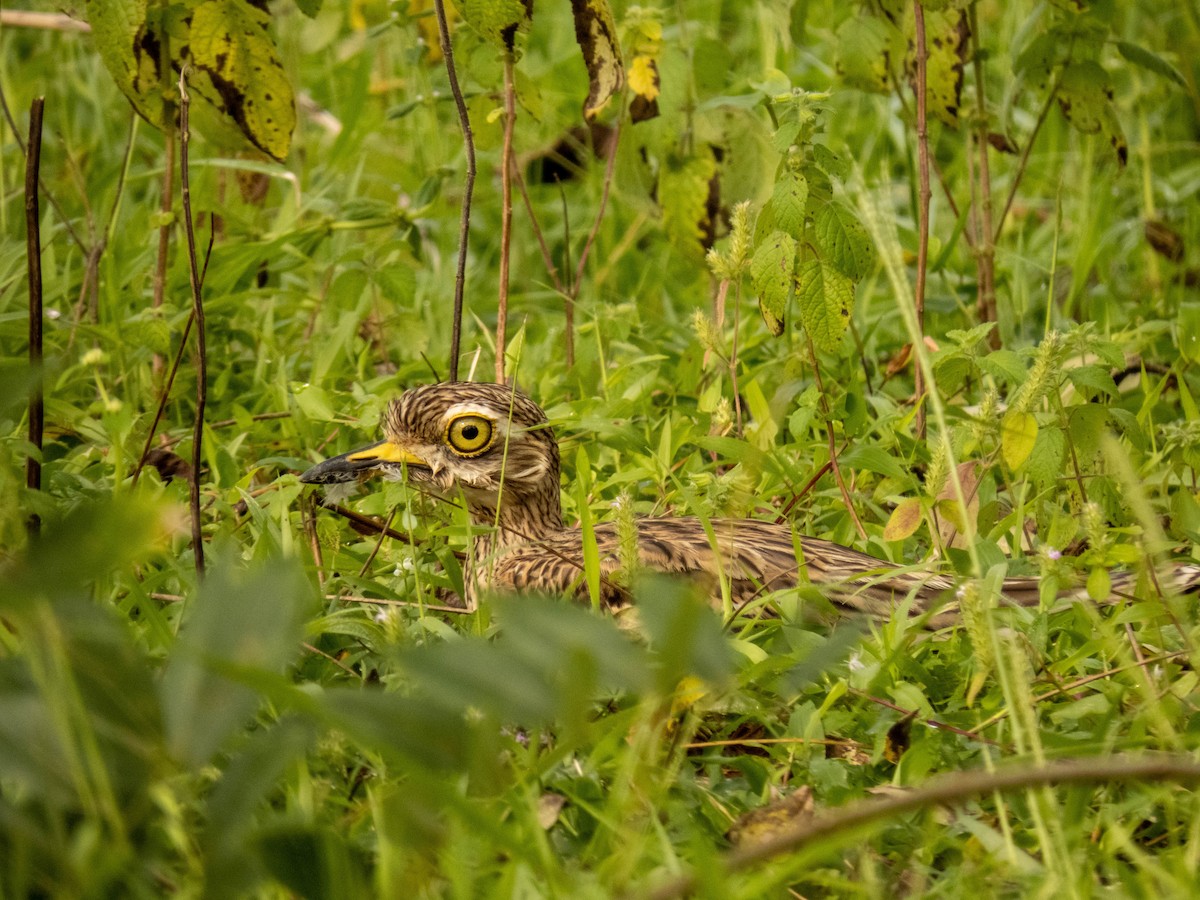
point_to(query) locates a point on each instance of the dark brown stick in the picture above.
(164, 230)
(986, 248)
(506, 166)
(464, 121)
(198, 315)
(923, 194)
(33, 260)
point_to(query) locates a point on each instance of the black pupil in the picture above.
(470, 432)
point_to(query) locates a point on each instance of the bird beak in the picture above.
(360, 463)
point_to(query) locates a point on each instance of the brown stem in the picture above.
(464, 225)
(941, 791)
(33, 261)
(923, 196)
(198, 315)
(506, 166)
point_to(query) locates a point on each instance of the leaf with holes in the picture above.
(843, 240)
(771, 272)
(825, 297)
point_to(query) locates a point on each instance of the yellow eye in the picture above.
(469, 435)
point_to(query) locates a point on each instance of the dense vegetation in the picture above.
(308, 718)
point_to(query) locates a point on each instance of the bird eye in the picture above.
(469, 435)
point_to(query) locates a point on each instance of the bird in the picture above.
(493, 446)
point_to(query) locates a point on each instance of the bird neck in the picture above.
(520, 517)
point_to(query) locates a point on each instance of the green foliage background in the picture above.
(308, 721)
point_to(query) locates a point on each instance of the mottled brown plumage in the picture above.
(493, 444)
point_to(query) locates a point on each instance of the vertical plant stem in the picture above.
(464, 121)
(33, 260)
(923, 194)
(986, 249)
(591, 238)
(198, 314)
(506, 167)
(164, 230)
(833, 461)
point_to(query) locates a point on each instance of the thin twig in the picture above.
(33, 261)
(1024, 163)
(923, 194)
(609, 169)
(940, 791)
(387, 524)
(164, 230)
(547, 256)
(198, 314)
(506, 167)
(464, 121)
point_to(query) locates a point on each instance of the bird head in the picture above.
(488, 441)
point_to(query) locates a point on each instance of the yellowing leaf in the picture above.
(245, 79)
(596, 33)
(499, 21)
(904, 520)
(684, 186)
(129, 42)
(825, 297)
(643, 81)
(1099, 584)
(867, 46)
(946, 45)
(771, 271)
(1018, 433)
(1085, 95)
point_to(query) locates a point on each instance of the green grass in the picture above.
(271, 731)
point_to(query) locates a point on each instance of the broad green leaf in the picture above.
(1018, 432)
(868, 47)
(684, 186)
(788, 201)
(239, 623)
(499, 21)
(843, 240)
(1092, 381)
(946, 44)
(1085, 96)
(1005, 365)
(1048, 457)
(596, 33)
(230, 44)
(129, 39)
(825, 297)
(1099, 584)
(904, 520)
(771, 271)
(1085, 425)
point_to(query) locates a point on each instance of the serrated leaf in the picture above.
(1092, 380)
(825, 297)
(1018, 433)
(1048, 456)
(239, 72)
(866, 49)
(904, 520)
(843, 240)
(596, 33)
(498, 21)
(946, 45)
(771, 271)
(1085, 97)
(789, 201)
(684, 186)
(1005, 365)
(1085, 425)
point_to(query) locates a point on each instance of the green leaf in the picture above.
(1085, 425)
(1092, 381)
(1099, 584)
(1018, 433)
(946, 44)
(867, 47)
(904, 520)
(240, 73)
(1085, 96)
(1151, 62)
(239, 623)
(843, 240)
(1048, 456)
(1005, 365)
(498, 21)
(825, 297)
(596, 33)
(684, 185)
(788, 201)
(771, 273)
